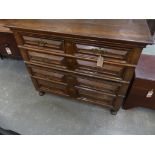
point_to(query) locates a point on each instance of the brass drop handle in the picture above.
(100, 50)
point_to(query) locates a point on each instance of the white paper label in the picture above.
(100, 61)
(8, 50)
(149, 94)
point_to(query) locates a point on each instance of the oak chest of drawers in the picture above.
(89, 60)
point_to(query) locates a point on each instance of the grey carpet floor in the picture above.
(24, 111)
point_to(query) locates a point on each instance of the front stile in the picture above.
(71, 64)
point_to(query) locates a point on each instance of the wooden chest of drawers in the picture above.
(142, 91)
(89, 60)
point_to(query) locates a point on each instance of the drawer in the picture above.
(108, 87)
(109, 53)
(43, 41)
(90, 67)
(47, 74)
(97, 97)
(50, 86)
(44, 58)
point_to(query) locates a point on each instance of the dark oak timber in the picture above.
(143, 83)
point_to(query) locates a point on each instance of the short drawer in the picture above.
(108, 87)
(109, 53)
(43, 41)
(44, 58)
(90, 67)
(47, 74)
(97, 97)
(50, 86)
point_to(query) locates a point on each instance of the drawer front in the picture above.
(49, 86)
(109, 54)
(109, 87)
(90, 67)
(47, 74)
(43, 41)
(93, 96)
(48, 59)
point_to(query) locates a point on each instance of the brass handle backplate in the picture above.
(42, 43)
